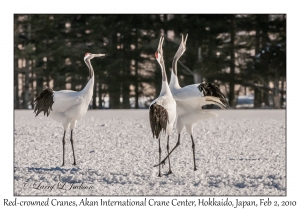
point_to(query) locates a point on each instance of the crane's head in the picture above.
(159, 51)
(90, 56)
(182, 47)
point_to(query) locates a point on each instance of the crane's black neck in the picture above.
(91, 70)
(163, 70)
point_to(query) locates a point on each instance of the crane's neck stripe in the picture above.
(163, 71)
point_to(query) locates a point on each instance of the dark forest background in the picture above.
(244, 54)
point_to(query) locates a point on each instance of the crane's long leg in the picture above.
(63, 141)
(193, 146)
(71, 140)
(159, 155)
(170, 171)
(163, 161)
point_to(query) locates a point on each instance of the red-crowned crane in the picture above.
(162, 111)
(67, 106)
(189, 101)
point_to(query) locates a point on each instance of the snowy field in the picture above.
(241, 152)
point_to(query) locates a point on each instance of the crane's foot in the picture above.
(195, 169)
(159, 175)
(62, 165)
(74, 164)
(170, 171)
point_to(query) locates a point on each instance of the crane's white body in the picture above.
(189, 102)
(70, 106)
(166, 100)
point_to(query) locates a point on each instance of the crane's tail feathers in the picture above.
(216, 101)
(44, 102)
(158, 119)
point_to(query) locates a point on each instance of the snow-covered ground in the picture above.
(241, 152)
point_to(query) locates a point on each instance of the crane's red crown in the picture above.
(86, 54)
(156, 54)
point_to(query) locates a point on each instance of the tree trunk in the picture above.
(39, 82)
(126, 86)
(266, 96)
(136, 69)
(276, 89)
(16, 86)
(257, 98)
(126, 72)
(264, 35)
(232, 63)
(114, 85)
(100, 94)
(282, 90)
(26, 86)
(257, 91)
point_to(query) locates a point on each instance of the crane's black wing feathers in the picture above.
(210, 89)
(158, 119)
(44, 102)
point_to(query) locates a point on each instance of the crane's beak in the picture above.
(185, 39)
(182, 47)
(99, 55)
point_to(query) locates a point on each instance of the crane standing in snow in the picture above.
(67, 106)
(189, 102)
(162, 111)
